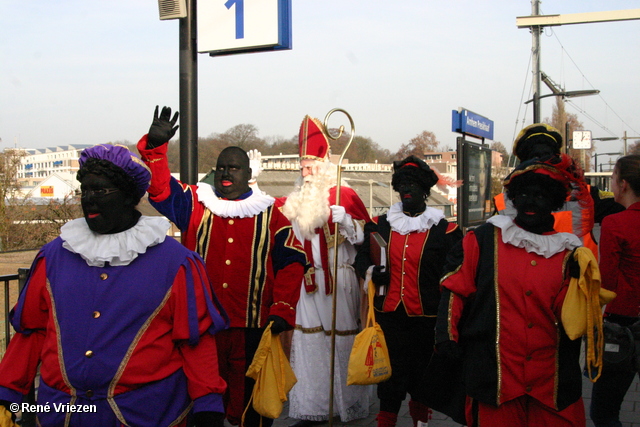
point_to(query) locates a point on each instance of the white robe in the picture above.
(311, 342)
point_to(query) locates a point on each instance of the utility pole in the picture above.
(535, 49)
(189, 96)
(536, 22)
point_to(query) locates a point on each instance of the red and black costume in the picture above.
(254, 261)
(407, 310)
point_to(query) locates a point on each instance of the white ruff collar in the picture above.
(116, 249)
(546, 245)
(251, 206)
(405, 224)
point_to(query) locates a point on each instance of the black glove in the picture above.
(574, 267)
(208, 419)
(279, 324)
(379, 277)
(162, 129)
(450, 349)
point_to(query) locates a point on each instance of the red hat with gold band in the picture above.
(313, 142)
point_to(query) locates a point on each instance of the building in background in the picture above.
(38, 164)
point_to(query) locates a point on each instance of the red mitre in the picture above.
(313, 142)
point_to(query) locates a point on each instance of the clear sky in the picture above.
(87, 72)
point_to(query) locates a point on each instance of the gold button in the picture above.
(89, 393)
(528, 357)
(533, 262)
(528, 388)
(89, 353)
(530, 325)
(228, 262)
(528, 293)
(230, 222)
(104, 276)
(230, 240)
(96, 314)
(225, 285)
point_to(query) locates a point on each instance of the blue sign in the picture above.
(241, 26)
(466, 122)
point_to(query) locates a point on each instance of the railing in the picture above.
(26, 419)
(7, 279)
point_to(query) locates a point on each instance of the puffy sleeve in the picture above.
(458, 284)
(169, 196)
(197, 316)
(30, 318)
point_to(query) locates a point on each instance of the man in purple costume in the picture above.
(120, 318)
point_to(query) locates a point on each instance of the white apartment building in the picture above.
(40, 163)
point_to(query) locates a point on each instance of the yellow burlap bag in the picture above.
(582, 309)
(5, 418)
(273, 375)
(369, 361)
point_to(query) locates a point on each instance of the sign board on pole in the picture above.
(474, 196)
(240, 26)
(467, 122)
(582, 139)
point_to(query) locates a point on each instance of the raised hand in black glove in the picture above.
(380, 276)
(162, 129)
(279, 324)
(208, 419)
(450, 349)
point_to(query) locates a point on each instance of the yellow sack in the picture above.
(369, 361)
(582, 309)
(273, 375)
(6, 419)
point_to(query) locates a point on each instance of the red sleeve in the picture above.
(286, 292)
(20, 363)
(352, 203)
(461, 283)
(200, 362)
(610, 250)
(156, 161)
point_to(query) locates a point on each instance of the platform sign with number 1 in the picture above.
(240, 26)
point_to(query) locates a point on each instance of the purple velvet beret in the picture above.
(120, 156)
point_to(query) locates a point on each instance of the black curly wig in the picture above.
(557, 191)
(113, 173)
(418, 172)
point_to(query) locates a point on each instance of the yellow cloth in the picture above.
(6, 419)
(582, 309)
(273, 374)
(369, 361)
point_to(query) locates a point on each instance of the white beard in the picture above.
(308, 204)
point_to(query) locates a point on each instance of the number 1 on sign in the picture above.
(239, 16)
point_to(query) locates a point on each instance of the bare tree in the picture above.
(244, 136)
(9, 187)
(500, 148)
(31, 225)
(425, 142)
(634, 148)
(559, 120)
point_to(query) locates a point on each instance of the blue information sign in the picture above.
(240, 26)
(467, 122)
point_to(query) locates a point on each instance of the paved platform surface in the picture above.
(629, 415)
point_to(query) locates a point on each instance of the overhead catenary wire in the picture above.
(582, 111)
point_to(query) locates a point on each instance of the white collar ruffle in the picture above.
(546, 245)
(117, 249)
(404, 224)
(253, 205)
